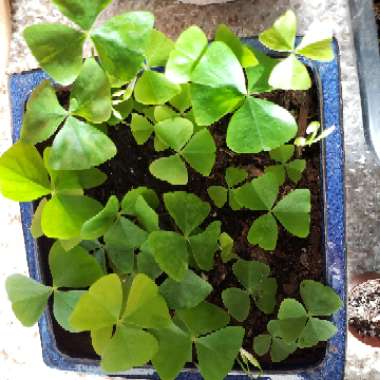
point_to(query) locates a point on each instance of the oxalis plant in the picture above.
(134, 272)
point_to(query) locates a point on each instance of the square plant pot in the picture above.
(327, 79)
(366, 40)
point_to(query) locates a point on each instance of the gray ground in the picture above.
(247, 17)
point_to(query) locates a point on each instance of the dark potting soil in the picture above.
(293, 260)
(364, 308)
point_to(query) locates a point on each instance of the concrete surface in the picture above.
(19, 347)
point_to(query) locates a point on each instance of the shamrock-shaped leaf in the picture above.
(141, 128)
(280, 349)
(100, 338)
(128, 203)
(182, 101)
(158, 49)
(235, 176)
(237, 303)
(218, 84)
(164, 112)
(58, 50)
(171, 169)
(35, 228)
(264, 232)
(29, 298)
(261, 344)
(189, 292)
(146, 215)
(316, 330)
(226, 244)
(218, 194)
(43, 114)
(146, 263)
(174, 132)
(188, 48)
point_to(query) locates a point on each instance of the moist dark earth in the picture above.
(293, 260)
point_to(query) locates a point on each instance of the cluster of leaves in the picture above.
(106, 258)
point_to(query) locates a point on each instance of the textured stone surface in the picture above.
(19, 357)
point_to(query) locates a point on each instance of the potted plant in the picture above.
(178, 211)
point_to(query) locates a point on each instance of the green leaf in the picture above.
(182, 101)
(218, 194)
(146, 262)
(245, 56)
(319, 299)
(317, 43)
(204, 245)
(83, 13)
(237, 303)
(290, 74)
(293, 211)
(200, 152)
(189, 292)
(121, 43)
(43, 114)
(264, 232)
(99, 224)
(100, 306)
(261, 344)
(158, 49)
(29, 298)
(295, 169)
(164, 112)
(217, 352)
(316, 330)
(128, 202)
(64, 215)
(75, 268)
(79, 146)
(174, 344)
(260, 125)
(125, 235)
(265, 295)
(280, 350)
(100, 338)
(35, 228)
(63, 306)
(23, 176)
(291, 308)
(259, 194)
(281, 36)
(58, 50)
(146, 216)
(90, 96)
(235, 176)
(154, 88)
(218, 84)
(226, 244)
(278, 171)
(170, 169)
(188, 48)
(187, 210)
(170, 252)
(129, 347)
(122, 259)
(174, 132)
(203, 318)
(145, 307)
(282, 154)
(141, 128)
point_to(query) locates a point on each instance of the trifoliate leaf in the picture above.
(295, 169)
(281, 36)
(204, 245)
(200, 152)
(235, 176)
(265, 295)
(182, 101)
(282, 154)
(43, 114)
(170, 169)
(90, 96)
(280, 350)
(146, 263)
(158, 48)
(237, 303)
(293, 212)
(100, 338)
(23, 176)
(58, 50)
(75, 268)
(64, 215)
(79, 146)
(260, 125)
(261, 344)
(187, 50)
(154, 88)
(316, 330)
(100, 306)
(121, 43)
(174, 132)
(146, 216)
(226, 244)
(63, 305)
(141, 128)
(82, 12)
(203, 319)
(319, 299)
(290, 74)
(129, 347)
(187, 210)
(122, 259)
(128, 202)
(164, 112)
(218, 84)
(217, 352)
(264, 232)
(170, 252)
(218, 194)
(29, 298)
(251, 274)
(145, 307)
(188, 293)
(291, 308)
(35, 228)
(278, 171)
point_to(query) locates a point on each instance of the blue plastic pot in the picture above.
(327, 77)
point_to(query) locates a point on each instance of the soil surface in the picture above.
(293, 260)
(364, 308)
